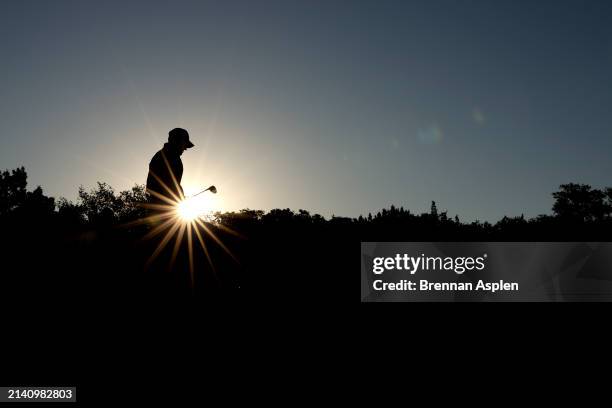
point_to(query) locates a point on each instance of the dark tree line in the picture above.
(94, 252)
(577, 206)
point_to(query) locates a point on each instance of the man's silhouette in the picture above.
(166, 171)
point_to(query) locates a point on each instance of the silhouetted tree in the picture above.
(37, 203)
(12, 189)
(444, 216)
(130, 203)
(15, 199)
(69, 212)
(434, 210)
(99, 203)
(580, 202)
(102, 205)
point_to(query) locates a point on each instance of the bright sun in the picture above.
(189, 210)
(190, 218)
(196, 207)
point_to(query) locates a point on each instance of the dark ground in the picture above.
(82, 306)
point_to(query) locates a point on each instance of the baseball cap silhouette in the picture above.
(178, 134)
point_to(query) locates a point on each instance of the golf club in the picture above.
(212, 189)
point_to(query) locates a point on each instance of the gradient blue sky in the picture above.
(338, 107)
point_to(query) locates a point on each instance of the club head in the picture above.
(213, 189)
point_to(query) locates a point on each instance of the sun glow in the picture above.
(188, 210)
(193, 208)
(202, 206)
(187, 222)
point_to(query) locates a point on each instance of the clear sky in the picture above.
(338, 107)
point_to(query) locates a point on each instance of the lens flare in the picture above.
(177, 220)
(189, 210)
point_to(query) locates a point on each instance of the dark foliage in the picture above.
(94, 251)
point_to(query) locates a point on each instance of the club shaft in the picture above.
(203, 191)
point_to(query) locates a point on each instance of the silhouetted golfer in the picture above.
(166, 171)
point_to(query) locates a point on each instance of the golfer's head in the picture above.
(179, 138)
